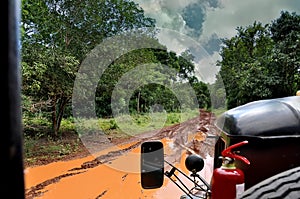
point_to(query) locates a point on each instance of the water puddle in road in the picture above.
(114, 174)
(101, 181)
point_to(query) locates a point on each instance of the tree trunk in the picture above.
(61, 110)
(58, 108)
(138, 102)
(54, 117)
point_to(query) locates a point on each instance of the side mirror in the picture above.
(152, 164)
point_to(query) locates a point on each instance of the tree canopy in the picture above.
(262, 61)
(57, 36)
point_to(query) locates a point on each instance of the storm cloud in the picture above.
(208, 21)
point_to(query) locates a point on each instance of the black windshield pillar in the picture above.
(11, 147)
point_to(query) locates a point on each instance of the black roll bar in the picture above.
(11, 147)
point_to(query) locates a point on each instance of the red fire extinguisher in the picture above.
(228, 182)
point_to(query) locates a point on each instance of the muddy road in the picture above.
(113, 172)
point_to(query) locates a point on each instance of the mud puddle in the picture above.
(113, 173)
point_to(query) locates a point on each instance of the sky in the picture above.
(199, 25)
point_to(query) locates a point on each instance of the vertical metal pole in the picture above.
(11, 147)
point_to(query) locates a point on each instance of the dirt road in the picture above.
(114, 171)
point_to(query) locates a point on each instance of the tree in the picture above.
(285, 32)
(262, 61)
(244, 65)
(57, 35)
(155, 85)
(114, 73)
(218, 94)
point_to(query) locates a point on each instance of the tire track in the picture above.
(178, 132)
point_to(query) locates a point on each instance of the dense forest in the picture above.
(261, 61)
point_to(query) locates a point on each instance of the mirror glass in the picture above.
(152, 164)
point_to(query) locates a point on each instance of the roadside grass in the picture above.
(41, 147)
(43, 150)
(128, 125)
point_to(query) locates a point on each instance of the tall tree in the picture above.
(285, 32)
(244, 65)
(262, 61)
(155, 85)
(57, 35)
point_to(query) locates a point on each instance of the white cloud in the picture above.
(205, 64)
(171, 5)
(233, 13)
(167, 13)
(206, 68)
(221, 21)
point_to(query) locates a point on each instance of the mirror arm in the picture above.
(171, 173)
(186, 190)
(195, 175)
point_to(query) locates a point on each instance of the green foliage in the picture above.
(144, 122)
(39, 126)
(67, 125)
(57, 35)
(218, 94)
(113, 74)
(87, 126)
(39, 143)
(173, 118)
(113, 124)
(285, 31)
(39, 148)
(261, 62)
(152, 83)
(34, 126)
(108, 124)
(243, 59)
(202, 93)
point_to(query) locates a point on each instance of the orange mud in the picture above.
(117, 179)
(113, 173)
